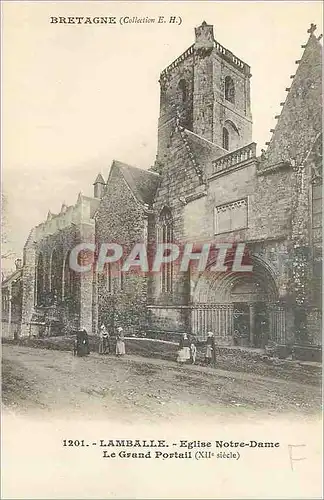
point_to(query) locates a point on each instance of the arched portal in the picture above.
(239, 308)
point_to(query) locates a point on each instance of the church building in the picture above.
(207, 186)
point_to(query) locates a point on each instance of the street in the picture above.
(132, 387)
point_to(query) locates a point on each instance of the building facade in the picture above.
(207, 186)
(57, 299)
(216, 189)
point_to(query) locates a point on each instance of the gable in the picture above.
(120, 216)
(300, 120)
(142, 183)
(204, 151)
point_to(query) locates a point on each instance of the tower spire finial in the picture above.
(312, 28)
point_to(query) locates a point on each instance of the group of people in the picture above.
(82, 347)
(105, 344)
(187, 347)
(188, 350)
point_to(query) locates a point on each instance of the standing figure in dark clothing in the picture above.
(210, 348)
(104, 343)
(82, 343)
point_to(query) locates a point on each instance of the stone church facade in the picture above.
(207, 186)
(217, 189)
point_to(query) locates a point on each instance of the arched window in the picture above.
(68, 287)
(231, 136)
(40, 280)
(183, 89)
(166, 236)
(229, 89)
(56, 274)
(225, 139)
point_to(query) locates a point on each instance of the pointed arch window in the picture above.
(183, 89)
(165, 229)
(225, 139)
(56, 274)
(68, 284)
(229, 90)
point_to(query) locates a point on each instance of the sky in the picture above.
(75, 97)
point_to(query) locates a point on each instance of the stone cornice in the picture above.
(274, 168)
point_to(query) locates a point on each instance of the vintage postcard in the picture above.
(161, 250)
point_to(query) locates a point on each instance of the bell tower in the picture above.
(207, 89)
(232, 119)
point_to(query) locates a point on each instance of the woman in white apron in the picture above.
(184, 349)
(120, 344)
(210, 348)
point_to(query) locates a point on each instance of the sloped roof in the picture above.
(202, 148)
(300, 119)
(11, 278)
(201, 152)
(31, 236)
(142, 183)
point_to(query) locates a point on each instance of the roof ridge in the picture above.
(121, 164)
(196, 165)
(200, 137)
(140, 181)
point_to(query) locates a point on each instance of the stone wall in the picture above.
(225, 112)
(173, 101)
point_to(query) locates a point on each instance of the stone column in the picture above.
(252, 318)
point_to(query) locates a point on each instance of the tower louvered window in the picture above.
(229, 90)
(183, 90)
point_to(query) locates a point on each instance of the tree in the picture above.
(6, 250)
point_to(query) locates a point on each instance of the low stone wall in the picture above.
(167, 323)
(11, 332)
(297, 352)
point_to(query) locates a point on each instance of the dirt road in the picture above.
(38, 380)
